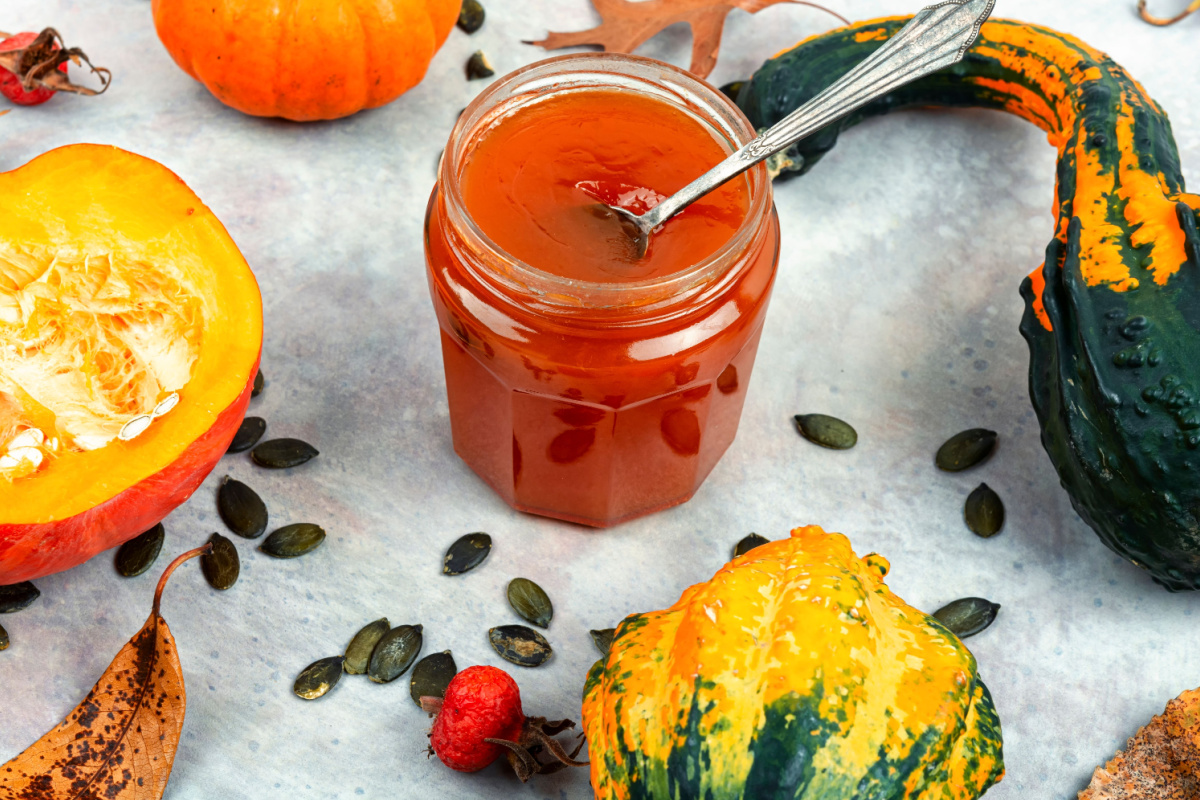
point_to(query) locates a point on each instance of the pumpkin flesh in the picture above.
(1113, 315)
(793, 673)
(123, 305)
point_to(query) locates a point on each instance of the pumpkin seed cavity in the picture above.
(749, 543)
(478, 66)
(603, 640)
(530, 601)
(432, 675)
(358, 652)
(283, 453)
(967, 449)
(139, 553)
(395, 653)
(984, 512)
(292, 541)
(826, 431)
(467, 553)
(259, 381)
(967, 616)
(17, 596)
(220, 566)
(318, 678)
(248, 434)
(520, 645)
(471, 16)
(241, 509)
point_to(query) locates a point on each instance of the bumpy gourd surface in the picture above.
(87, 343)
(793, 673)
(1113, 316)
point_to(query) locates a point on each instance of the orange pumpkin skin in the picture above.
(124, 243)
(32, 551)
(305, 59)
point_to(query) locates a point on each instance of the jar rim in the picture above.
(536, 81)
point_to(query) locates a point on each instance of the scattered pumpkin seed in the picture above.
(241, 509)
(282, 453)
(530, 601)
(467, 553)
(826, 431)
(220, 566)
(17, 596)
(396, 651)
(3, 638)
(984, 511)
(358, 652)
(471, 16)
(732, 89)
(248, 434)
(478, 66)
(603, 640)
(965, 450)
(139, 553)
(318, 678)
(520, 645)
(967, 616)
(749, 543)
(292, 541)
(258, 384)
(432, 675)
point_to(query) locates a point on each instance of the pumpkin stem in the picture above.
(1162, 21)
(536, 738)
(37, 65)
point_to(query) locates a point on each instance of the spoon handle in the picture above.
(935, 37)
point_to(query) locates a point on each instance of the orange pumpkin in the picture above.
(130, 332)
(305, 59)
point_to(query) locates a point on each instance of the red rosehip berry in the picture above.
(10, 84)
(480, 703)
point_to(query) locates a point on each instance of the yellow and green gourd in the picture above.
(1113, 316)
(794, 673)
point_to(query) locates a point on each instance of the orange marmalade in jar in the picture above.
(585, 381)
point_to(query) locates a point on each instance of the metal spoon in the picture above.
(936, 37)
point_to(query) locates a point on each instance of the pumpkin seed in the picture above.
(17, 596)
(318, 678)
(139, 553)
(530, 601)
(749, 543)
(603, 640)
(358, 652)
(968, 616)
(248, 434)
(220, 566)
(282, 453)
(984, 511)
(965, 450)
(826, 431)
(470, 18)
(396, 651)
(258, 384)
(241, 509)
(478, 66)
(520, 645)
(432, 675)
(467, 553)
(3, 638)
(731, 90)
(292, 541)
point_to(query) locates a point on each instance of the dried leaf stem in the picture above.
(1193, 7)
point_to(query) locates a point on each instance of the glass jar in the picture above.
(587, 401)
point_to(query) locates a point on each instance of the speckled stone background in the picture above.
(896, 308)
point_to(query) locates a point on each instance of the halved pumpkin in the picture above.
(130, 334)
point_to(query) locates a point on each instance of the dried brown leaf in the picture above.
(1161, 761)
(119, 743)
(1160, 21)
(626, 25)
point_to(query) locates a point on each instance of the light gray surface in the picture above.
(896, 308)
